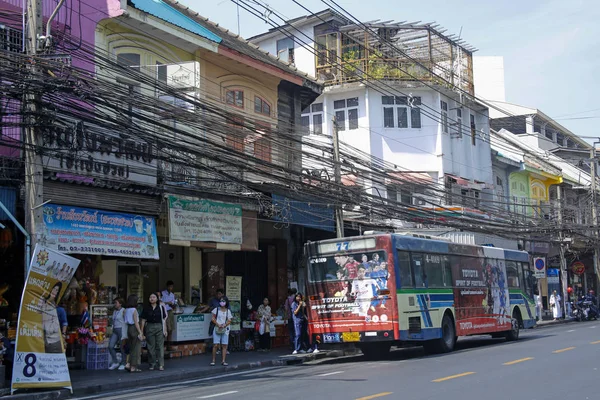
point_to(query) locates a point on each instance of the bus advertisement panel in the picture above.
(351, 291)
(481, 297)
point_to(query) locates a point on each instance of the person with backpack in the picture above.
(221, 318)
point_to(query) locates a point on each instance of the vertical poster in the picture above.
(233, 290)
(40, 360)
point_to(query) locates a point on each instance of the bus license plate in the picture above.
(351, 336)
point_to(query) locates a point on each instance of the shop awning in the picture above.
(467, 184)
(401, 177)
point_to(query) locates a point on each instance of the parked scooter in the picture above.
(577, 311)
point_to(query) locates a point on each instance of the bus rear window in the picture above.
(341, 267)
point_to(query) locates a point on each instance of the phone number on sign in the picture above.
(99, 250)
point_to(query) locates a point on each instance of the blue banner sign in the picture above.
(78, 230)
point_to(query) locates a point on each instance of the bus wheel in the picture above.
(375, 351)
(446, 343)
(513, 334)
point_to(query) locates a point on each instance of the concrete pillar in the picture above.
(529, 124)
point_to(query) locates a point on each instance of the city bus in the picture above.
(379, 290)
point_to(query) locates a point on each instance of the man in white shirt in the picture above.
(168, 297)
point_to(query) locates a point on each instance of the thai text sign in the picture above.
(40, 360)
(233, 290)
(85, 150)
(191, 327)
(87, 231)
(204, 221)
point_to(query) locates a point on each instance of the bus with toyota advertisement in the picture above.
(379, 290)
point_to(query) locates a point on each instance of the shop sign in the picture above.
(578, 268)
(78, 230)
(191, 327)
(204, 221)
(233, 290)
(540, 267)
(40, 360)
(82, 151)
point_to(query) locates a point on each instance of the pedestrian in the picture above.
(168, 298)
(153, 317)
(222, 319)
(305, 332)
(289, 317)
(299, 316)
(555, 304)
(264, 316)
(117, 333)
(135, 335)
(538, 305)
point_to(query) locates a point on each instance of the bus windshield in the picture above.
(345, 266)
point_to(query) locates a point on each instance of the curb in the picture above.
(188, 375)
(553, 323)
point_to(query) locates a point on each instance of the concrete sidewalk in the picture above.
(551, 322)
(86, 382)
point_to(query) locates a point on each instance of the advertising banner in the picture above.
(204, 221)
(87, 231)
(40, 360)
(233, 291)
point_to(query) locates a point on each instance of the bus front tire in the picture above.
(446, 343)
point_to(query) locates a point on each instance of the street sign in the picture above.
(540, 267)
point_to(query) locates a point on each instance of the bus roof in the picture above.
(414, 242)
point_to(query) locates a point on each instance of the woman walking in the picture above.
(153, 319)
(134, 333)
(117, 333)
(299, 316)
(555, 304)
(264, 316)
(222, 320)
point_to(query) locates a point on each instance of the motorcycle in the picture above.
(577, 311)
(590, 309)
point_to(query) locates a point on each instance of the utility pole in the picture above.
(339, 214)
(563, 260)
(34, 173)
(594, 206)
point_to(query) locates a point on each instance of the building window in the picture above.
(261, 106)
(327, 49)
(130, 60)
(444, 108)
(262, 146)
(235, 98)
(285, 50)
(11, 40)
(235, 136)
(349, 108)
(313, 114)
(396, 112)
(473, 129)
(459, 122)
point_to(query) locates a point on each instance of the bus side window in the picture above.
(405, 274)
(527, 281)
(512, 274)
(418, 270)
(447, 272)
(434, 270)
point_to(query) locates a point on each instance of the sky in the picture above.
(551, 48)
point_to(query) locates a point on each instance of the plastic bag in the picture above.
(249, 345)
(261, 330)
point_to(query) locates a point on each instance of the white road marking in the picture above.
(572, 330)
(332, 373)
(218, 394)
(592, 327)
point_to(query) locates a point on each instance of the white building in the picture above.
(401, 93)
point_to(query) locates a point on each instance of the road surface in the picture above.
(553, 363)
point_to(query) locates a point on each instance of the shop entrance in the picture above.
(138, 277)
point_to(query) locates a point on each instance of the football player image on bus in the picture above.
(363, 292)
(348, 264)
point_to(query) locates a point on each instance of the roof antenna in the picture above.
(238, 17)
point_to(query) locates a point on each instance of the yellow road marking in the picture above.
(562, 350)
(596, 342)
(452, 377)
(518, 361)
(374, 396)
